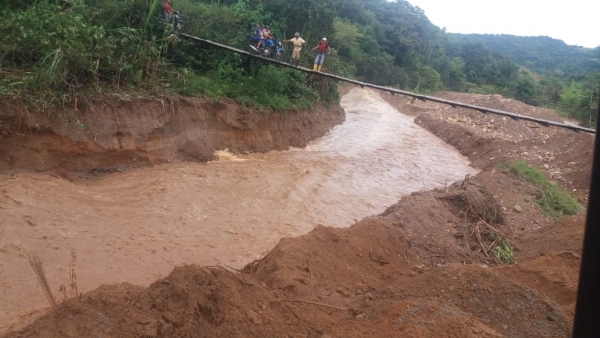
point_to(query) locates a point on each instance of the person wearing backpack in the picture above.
(322, 47)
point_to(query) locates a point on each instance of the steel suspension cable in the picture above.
(393, 91)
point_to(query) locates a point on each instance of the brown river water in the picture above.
(136, 226)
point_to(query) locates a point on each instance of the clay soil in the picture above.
(83, 142)
(413, 271)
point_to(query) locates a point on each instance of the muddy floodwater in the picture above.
(136, 226)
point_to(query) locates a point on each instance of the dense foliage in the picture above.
(541, 54)
(59, 48)
(566, 78)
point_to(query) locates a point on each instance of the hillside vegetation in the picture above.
(566, 77)
(55, 50)
(541, 54)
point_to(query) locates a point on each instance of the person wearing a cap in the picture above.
(298, 44)
(322, 47)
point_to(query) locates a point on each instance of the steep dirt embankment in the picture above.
(488, 139)
(118, 135)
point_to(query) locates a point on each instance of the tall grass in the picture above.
(152, 11)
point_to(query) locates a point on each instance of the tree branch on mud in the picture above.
(310, 302)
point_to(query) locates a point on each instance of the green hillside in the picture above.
(54, 51)
(541, 54)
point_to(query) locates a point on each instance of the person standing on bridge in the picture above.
(167, 9)
(298, 44)
(258, 31)
(266, 34)
(322, 47)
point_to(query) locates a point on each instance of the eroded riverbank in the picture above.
(137, 226)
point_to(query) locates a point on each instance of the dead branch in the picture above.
(73, 270)
(501, 234)
(310, 302)
(406, 258)
(234, 269)
(379, 261)
(477, 233)
(233, 274)
(36, 265)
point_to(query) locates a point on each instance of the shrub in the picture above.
(554, 201)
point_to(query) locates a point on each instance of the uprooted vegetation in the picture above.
(478, 210)
(552, 200)
(490, 241)
(473, 202)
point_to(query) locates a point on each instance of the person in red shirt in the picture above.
(167, 9)
(322, 47)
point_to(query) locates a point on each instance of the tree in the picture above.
(345, 38)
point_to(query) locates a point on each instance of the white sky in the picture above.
(576, 22)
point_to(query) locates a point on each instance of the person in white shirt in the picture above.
(298, 44)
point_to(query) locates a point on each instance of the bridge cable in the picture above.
(393, 91)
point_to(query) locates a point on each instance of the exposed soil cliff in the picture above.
(118, 135)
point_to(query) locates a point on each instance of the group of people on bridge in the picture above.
(323, 47)
(265, 33)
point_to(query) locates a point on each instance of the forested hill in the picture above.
(52, 51)
(539, 53)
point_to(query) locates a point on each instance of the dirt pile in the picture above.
(119, 135)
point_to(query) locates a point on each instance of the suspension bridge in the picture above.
(394, 91)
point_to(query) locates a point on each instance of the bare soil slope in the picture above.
(122, 134)
(403, 273)
(488, 139)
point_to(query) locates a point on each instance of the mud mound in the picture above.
(431, 318)
(510, 308)
(328, 258)
(363, 295)
(417, 232)
(190, 302)
(563, 235)
(555, 276)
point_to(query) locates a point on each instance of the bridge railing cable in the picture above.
(393, 91)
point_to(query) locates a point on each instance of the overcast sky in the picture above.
(576, 22)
